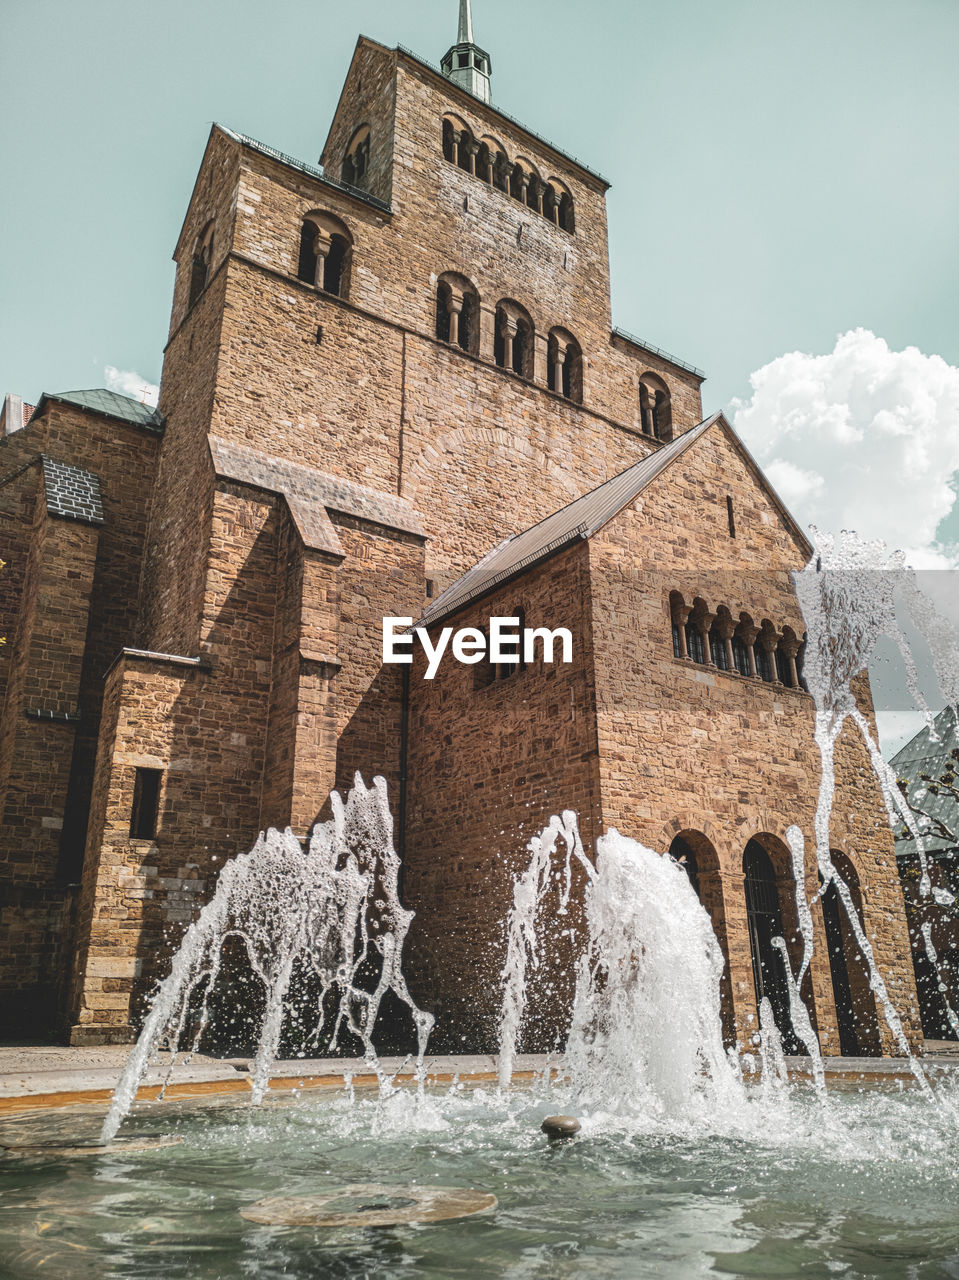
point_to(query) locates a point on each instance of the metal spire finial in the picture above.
(466, 64)
(465, 35)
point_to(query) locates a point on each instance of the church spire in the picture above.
(466, 64)
(465, 35)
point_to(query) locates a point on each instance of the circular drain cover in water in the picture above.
(117, 1147)
(369, 1205)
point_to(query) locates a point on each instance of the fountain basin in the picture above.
(867, 1190)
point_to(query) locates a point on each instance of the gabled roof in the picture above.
(582, 518)
(922, 754)
(109, 403)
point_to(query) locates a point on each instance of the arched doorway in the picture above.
(855, 1006)
(696, 855)
(764, 919)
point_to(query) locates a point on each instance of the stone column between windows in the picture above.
(551, 206)
(704, 622)
(748, 636)
(558, 368)
(769, 641)
(322, 244)
(508, 328)
(726, 627)
(473, 148)
(454, 306)
(680, 618)
(791, 649)
(536, 186)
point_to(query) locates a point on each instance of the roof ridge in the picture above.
(580, 518)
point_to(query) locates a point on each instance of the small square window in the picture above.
(146, 804)
(462, 59)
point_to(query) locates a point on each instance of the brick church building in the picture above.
(392, 387)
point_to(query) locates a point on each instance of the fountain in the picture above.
(329, 909)
(661, 1152)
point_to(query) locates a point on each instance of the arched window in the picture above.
(518, 179)
(484, 163)
(356, 162)
(465, 151)
(782, 667)
(513, 338)
(326, 252)
(764, 663)
(457, 312)
(655, 411)
(800, 658)
(764, 920)
(678, 651)
(694, 642)
(551, 200)
(564, 363)
(558, 205)
(858, 1024)
(567, 219)
(717, 649)
(449, 141)
(740, 656)
(200, 265)
(685, 855)
(501, 171)
(534, 193)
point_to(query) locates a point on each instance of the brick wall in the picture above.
(487, 769)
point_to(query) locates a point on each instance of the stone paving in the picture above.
(38, 1070)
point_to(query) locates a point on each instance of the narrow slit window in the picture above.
(146, 804)
(730, 516)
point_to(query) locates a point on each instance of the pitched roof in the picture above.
(922, 754)
(310, 494)
(109, 403)
(580, 519)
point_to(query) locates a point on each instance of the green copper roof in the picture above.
(110, 403)
(924, 755)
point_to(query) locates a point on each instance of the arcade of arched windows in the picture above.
(486, 159)
(720, 640)
(458, 320)
(325, 261)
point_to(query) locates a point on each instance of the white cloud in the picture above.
(129, 383)
(863, 438)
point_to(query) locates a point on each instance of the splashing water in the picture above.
(649, 952)
(522, 940)
(849, 595)
(326, 911)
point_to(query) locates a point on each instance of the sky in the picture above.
(783, 212)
